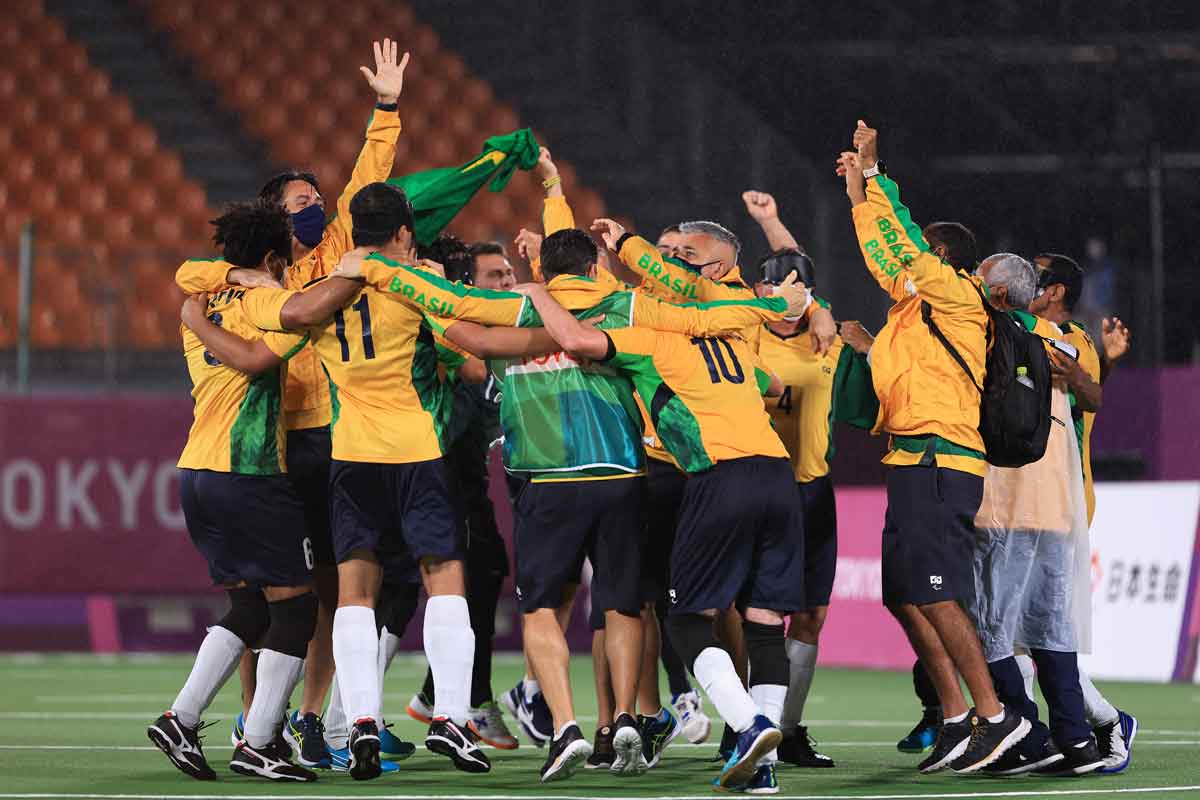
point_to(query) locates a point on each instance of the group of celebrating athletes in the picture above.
(350, 381)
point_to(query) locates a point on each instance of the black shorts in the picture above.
(740, 539)
(820, 540)
(400, 512)
(664, 496)
(308, 470)
(248, 527)
(929, 535)
(557, 524)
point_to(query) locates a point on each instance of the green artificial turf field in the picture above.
(74, 726)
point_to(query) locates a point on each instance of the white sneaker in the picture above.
(696, 724)
(420, 709)
(487, 723)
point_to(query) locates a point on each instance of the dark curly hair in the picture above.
(248, 231)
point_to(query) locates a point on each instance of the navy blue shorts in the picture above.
(558, 523)
(308, 470)
(664, 496)
(820, 540)
(740, 539)
(400, 512)
(248, 527)
(929, 535)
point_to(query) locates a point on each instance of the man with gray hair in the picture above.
(1031, 564)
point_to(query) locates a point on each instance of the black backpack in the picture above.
(1014, 418)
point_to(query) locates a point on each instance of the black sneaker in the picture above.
(657, 732)
(952, 739)
(990, 740)
(1079, 759)
(627, 744)
(729, 739)
(602, 755)
(797, 749)
(273, 762)
(181, 745)
(924, 733)
(447, 739)
(566, 753)
(1019, 760)
(305, 733)
(364, 750)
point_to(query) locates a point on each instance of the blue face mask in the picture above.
(309, 225)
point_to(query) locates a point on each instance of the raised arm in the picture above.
(762, 209)
(571, 334)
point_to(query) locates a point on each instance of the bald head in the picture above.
(1011, 280)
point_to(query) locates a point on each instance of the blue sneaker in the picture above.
(239, 730)
(393, 746)
(1115, 741)
(305, 734)
(340, 761)
(752, 744)
(763, 782)
(533, 716)
(923, 734)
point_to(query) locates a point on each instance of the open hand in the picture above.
(529, 244)
(388, 78)
(1115, 337)
(351, 264)
(794, 292)
(529, 289)
(610, 230)
(252, 278)
(195, 308)
(822, 329)
(432, 266)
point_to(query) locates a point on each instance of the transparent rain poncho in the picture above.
(1032, 552)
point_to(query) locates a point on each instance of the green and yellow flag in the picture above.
(437, 195)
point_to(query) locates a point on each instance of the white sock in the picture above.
(277, 674)
(770, 697)
(998, 718)
(714, 670)
(216, 660)
(563, 729)
(450, 648)
(1097, 710)
(356, 659)
(953, 720)
(337, 728)
(389, 643)
(802, 663)
(1025, 664)
(530, 687)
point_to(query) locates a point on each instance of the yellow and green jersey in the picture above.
(802, 414)
(703, 394)
(1089, 359)
(238, 423)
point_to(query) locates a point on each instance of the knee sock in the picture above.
(1096, 708)
(924, 688)
(769, 670)
(356, 657)
(450, 648)
(802, 664)
(389, 645)
(677, 674)
(277, 676)
(713, 668)
(337, 728)
(216, 660)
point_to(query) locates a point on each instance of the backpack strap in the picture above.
(927, 316)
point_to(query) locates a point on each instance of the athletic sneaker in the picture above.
(339, 761)
(752, 744)
(487, 723)
(797, 749)
(1018, 762)
(763, 782)
(952, 739)
(627, 744)
(657, 732)
(393, 746)
(364, 750)
(566, 754)
(273, 762)
(990, 740)
(602, 755)
(420, 708)
(447, 739)
(306, 736)
(696, 724)
(534, 717)
(1079, 759)
(239, 729)
(728, 742)
(924, 733)
(181, 745)
(1115, 741)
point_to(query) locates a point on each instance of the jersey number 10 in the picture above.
(711, 350)
(364, 318)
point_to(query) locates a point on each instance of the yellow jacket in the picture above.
(923, 392)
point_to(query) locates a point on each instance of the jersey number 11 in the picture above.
(364, 319)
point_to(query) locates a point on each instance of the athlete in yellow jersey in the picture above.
(740, 537)
(935, 486)
(242, 513)
(316, 247)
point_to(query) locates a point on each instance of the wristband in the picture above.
(388, 106)
(621, 241)
(872, 171)
(549, 183)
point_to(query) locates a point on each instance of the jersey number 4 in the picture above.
(716, 363)
(364, 318)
